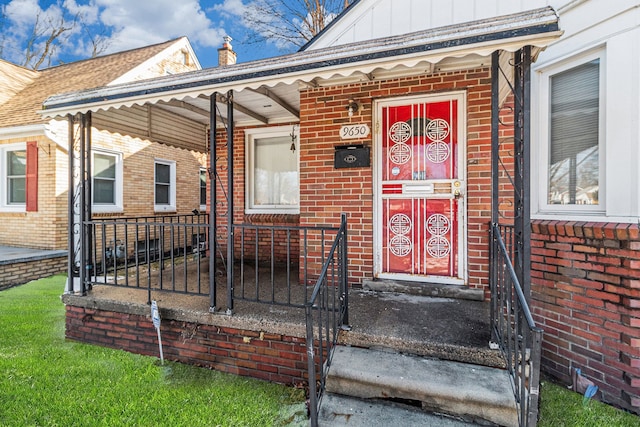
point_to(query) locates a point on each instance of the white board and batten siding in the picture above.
(371, 19)
(612, 30)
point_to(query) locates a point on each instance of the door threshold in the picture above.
(424, 289)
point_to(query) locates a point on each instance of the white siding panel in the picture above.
(615, 28)
(371, 19)
(420, 15)
(382, 17)
(464, 11)
(441, 13)
(621, 118)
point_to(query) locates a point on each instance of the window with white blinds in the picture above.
(273, 182)
(574, 136)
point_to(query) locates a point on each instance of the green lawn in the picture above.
(47, 381)
(560, 407)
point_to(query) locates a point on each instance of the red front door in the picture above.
(421, 193)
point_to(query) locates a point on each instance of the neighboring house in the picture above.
(389, 115)
(34, 175)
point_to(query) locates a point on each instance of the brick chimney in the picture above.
(226, 55)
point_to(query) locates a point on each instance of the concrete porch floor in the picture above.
(444, 328)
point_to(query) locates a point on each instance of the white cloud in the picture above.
(233, 8)
(88, 13)
(22, 12)
(136, 24)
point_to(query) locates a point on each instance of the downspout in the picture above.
(82, 196)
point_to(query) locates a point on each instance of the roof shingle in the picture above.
(25, 90)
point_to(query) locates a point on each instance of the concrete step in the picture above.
(344, 411)
(441, 328)
(470, 392)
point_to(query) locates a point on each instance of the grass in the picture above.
(560, 407)
(48, 381)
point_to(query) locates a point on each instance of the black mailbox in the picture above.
(351, 156)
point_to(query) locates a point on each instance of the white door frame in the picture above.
(461, 97)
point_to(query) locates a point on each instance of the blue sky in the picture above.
(129, 24)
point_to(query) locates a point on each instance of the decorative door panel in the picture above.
(420, 142)
(420, 236)
(420, 193)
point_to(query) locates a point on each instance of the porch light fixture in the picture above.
(352, 107)
(293, 139)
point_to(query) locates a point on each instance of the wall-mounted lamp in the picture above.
(352, 107)
(293, 139)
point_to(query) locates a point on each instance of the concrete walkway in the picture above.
(11, 254)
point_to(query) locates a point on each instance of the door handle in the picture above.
(457, 189)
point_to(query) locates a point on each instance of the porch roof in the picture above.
(266, 91)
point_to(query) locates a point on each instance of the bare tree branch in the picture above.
(289, 22)
(99, 41)
(39, 44)
(51, 43)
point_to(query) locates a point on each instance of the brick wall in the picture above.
(586, 297)
(47, 227)
(326, 192)
(268, 356)
(139, 160)
(17, 273)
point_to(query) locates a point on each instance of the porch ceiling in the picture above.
(267, 91)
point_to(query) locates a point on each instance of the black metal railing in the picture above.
(278, 265)
(327, 312)
(273, 264)
(163, 253)
(513, 328)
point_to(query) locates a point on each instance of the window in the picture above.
(572, 102)
(107, 182)
(13, 190)
(203, 189)
(165, 185)
(272, 171)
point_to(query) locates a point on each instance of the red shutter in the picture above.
(32, 176)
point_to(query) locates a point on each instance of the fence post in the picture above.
(344, 261)
(311, 363)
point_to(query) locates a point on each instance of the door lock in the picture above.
(457, 189)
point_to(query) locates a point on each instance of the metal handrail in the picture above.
(331, 306)
(514, 331)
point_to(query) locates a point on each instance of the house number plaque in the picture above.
(354, 131)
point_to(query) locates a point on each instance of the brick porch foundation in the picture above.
(255, 352)
(586, 297)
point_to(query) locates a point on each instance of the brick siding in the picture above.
(326, 192)
(586, 297)
(268, 356)
(17, 273)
